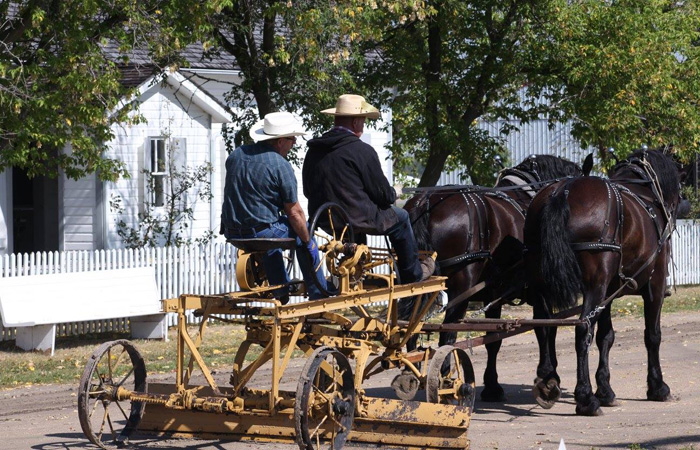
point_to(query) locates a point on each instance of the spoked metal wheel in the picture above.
(325, 401)
(450, 378)
(334, 235)
(113, 369)
(333, 220)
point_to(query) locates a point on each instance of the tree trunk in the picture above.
(432, 70)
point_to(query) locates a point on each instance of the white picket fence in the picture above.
(210, 269)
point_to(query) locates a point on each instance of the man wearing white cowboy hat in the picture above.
(260, 184)
(340, 168)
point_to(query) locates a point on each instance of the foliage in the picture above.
(294, 56)
(692, 196)
(625, 72)
(59, 87)
(448, 65)
(168, 225)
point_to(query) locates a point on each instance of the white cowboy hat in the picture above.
(276, 125)
(353, 105)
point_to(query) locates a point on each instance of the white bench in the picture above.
(34, 304)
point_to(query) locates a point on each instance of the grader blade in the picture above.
(410, 424)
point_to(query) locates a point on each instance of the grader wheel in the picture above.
(450, 378)
(325, 401)
(107, 421)
(331, 226)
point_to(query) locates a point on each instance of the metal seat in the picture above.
(254, 245)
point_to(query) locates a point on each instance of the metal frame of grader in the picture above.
(330, 404)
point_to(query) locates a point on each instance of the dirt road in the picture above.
(45, 417)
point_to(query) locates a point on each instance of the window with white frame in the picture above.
(158, 170)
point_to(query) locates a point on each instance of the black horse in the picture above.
(602, 238)
(477, 234)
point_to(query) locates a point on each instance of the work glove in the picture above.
(313, 250)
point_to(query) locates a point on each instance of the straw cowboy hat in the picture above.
(353, 105)
(276, 125)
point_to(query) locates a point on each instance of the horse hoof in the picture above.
(588, 412)
(608, 399)
(660, 397)
(493, 395)
(662, 394)
(546, 394)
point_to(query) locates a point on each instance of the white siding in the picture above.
(165, 112)
(536, 137)
(215, 82)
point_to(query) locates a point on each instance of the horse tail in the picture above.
(559, 266)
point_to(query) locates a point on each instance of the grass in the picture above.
(19, 368)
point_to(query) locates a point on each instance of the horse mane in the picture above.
(664, 165)
(549, 167)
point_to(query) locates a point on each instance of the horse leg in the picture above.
(605, 337)
(546, 388)
(653, 295)
(456, 284)
(587, 404)
(493, 392)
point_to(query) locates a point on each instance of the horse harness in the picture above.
(474, 201)
(473, 196)
(615, 190)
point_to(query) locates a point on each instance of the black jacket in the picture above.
(340, 168)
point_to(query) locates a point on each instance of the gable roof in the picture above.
(137, 66)
(184, 86)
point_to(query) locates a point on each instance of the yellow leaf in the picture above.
(217, 352)
(160, 357)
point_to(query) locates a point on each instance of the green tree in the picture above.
(449, 64)
(58, 86)
(295, 56)
(626, 72)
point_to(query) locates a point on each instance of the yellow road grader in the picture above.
(347, 341)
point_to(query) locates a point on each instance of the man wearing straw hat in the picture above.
(260, 185)
(340, 168)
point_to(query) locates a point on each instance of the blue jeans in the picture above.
(404, 243)
(273, 262)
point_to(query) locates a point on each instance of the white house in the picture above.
(185, 111)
